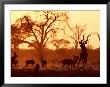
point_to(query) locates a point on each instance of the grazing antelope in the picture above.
(32, 62)
(14, 61)
(44, 63)
(69, 64)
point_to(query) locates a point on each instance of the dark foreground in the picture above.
(54, 73)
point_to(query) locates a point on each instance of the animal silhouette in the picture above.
(66, 63)
(44, 63)
(74, 61)
(83, 53)
(32, 62)
(69, 64)
(36, 69)
(14, 61)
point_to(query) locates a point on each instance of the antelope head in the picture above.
(83, 42)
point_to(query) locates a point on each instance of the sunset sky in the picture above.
(90, 18)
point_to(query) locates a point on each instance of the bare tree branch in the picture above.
(50, 24)
(47, 40)
(35, 36)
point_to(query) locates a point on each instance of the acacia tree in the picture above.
(39, 31)
(60, 43)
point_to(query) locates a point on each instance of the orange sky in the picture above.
(91, 18)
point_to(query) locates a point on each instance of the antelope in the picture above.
(70, 63)
(66, 63)
(83, 53)
(44, 63)
(32, 62)
(14, 61)
(74, 61)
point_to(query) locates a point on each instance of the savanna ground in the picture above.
(54, 64)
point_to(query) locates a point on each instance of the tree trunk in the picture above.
(40, 50)
(76, 45)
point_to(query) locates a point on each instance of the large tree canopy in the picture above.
(38, 32)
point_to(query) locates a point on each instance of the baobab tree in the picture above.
(37, 33)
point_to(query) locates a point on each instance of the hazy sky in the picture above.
(90, 18)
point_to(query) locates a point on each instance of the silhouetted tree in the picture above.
(37, 33)
(60, 43)
(77, 32)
